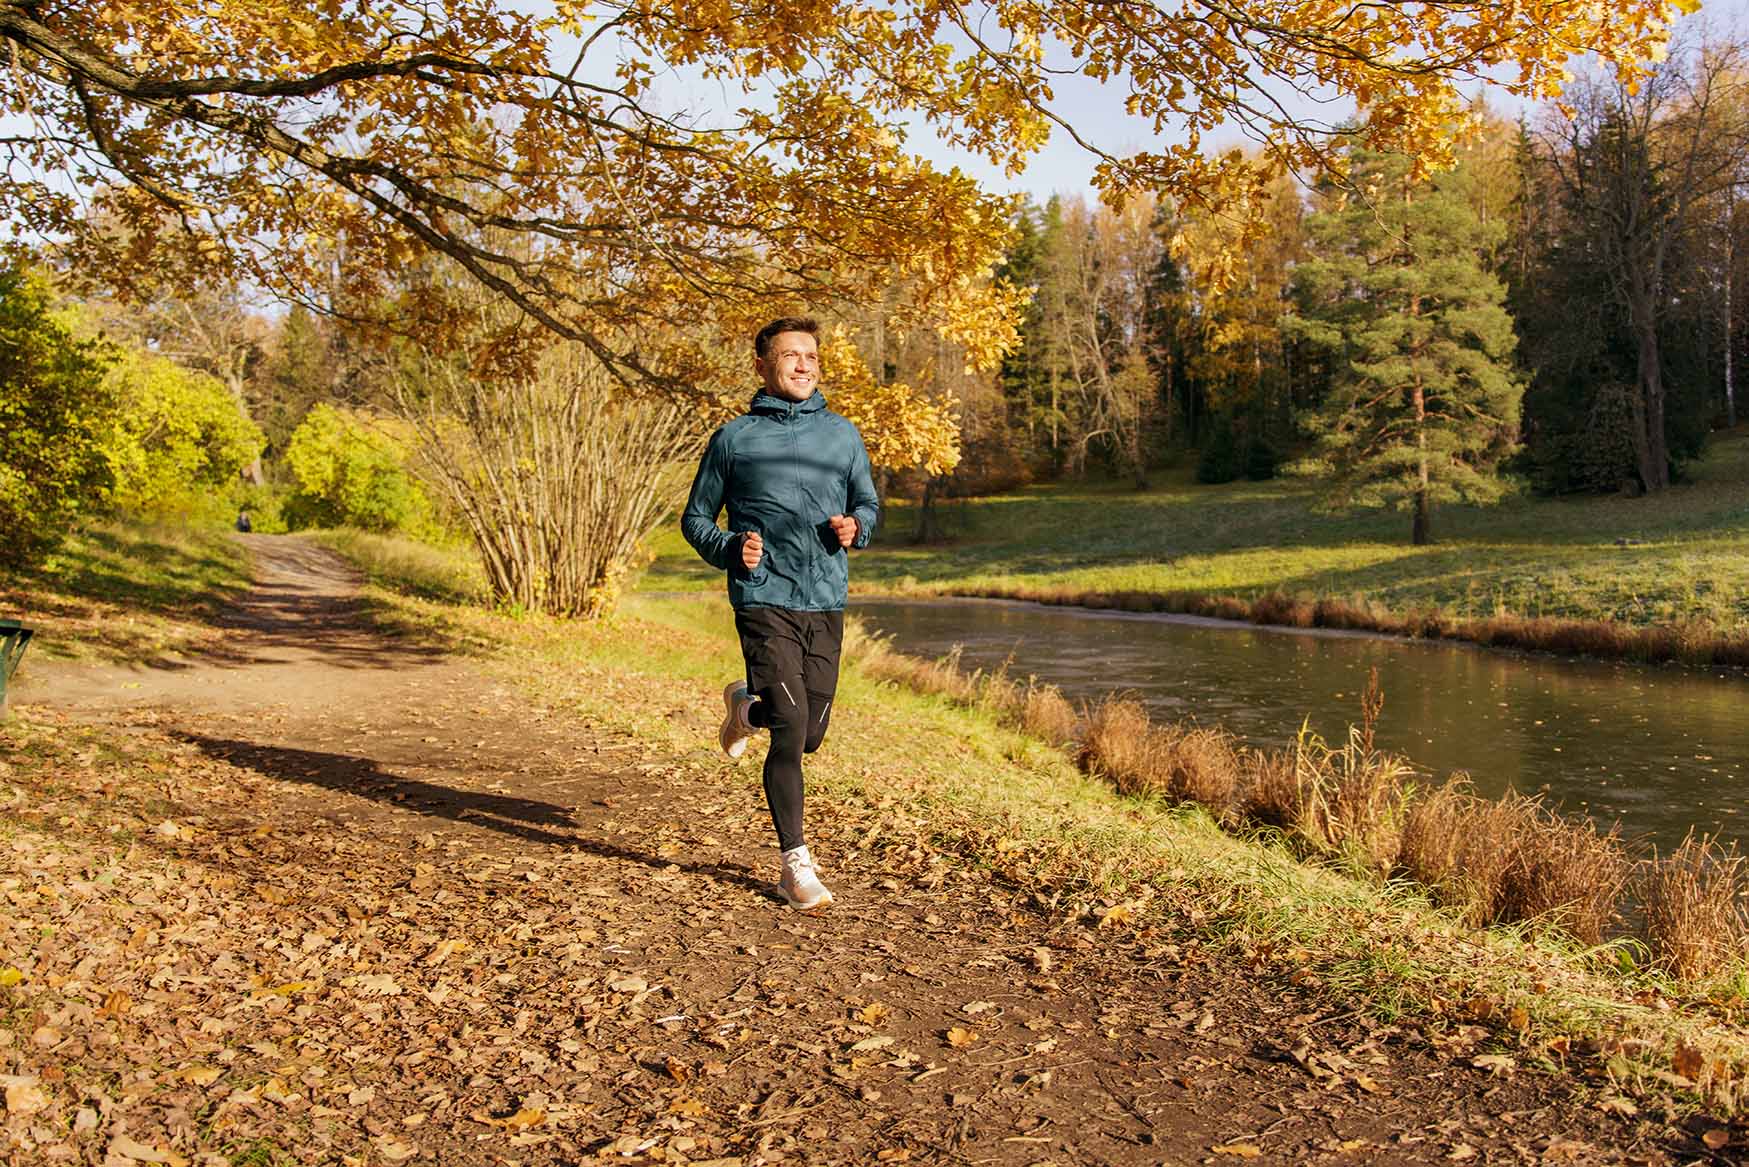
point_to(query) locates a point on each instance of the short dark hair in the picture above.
(807, 324)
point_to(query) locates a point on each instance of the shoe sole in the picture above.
(824, 901)
(729, 737)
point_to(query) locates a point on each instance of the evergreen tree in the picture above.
(1424, 401)
(1030, 376)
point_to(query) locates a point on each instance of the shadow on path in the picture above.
(528, 819)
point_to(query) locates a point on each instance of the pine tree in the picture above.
(1424, 402)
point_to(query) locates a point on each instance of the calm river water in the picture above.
(1661, 749)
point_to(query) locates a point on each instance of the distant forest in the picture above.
(1604, 240)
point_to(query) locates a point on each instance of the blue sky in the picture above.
(1097, 112)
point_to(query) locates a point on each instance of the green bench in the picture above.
(14, 638)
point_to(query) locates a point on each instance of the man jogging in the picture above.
(795, 479)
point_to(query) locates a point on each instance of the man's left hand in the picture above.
(844, 526)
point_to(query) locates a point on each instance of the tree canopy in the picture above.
(334, 146)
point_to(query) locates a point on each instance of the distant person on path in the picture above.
(243, 523)
(796, 481)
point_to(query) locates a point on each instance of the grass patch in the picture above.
(126, 592)
(404, 564)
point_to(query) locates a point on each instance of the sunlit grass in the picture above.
(409, 565)
(125, 590)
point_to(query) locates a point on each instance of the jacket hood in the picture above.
(764, 402)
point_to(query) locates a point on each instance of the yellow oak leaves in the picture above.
(330, 151)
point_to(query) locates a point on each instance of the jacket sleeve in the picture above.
(865, 508)
(698, 522)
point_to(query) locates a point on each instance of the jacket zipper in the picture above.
(795, 445)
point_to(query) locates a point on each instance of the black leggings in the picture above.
(792, 667)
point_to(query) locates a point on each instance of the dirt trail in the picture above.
(632, 981)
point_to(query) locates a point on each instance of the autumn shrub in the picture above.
(1692, 901)
(351, 471)
(180, 441)
(56, 409)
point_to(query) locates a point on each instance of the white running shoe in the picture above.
(736, 729)
(798, 884)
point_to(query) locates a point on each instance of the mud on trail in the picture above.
(323, 894)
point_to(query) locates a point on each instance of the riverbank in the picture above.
(1659, 578)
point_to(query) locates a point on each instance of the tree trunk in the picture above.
(1421, 531)
(1651, 452)
(928, 518)
(1730, 333)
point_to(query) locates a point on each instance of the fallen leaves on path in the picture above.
(233, 945)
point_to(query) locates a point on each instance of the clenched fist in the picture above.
(843, 526)
(752, 547)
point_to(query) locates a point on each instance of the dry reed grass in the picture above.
(1283, 609)
(1352, 795)
(1048, 715)
(1562, 870)
(1271, 793)
(1498, 861)
(1453, 844)
(1185, 763)
(1119, 742)
(1512, 859)
(1693, 906)
(1206, 769)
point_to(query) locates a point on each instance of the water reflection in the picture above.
(1661, 749)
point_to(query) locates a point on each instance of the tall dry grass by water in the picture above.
(1501, 860)
(1495, 861)
(1179, 762)
(1694, 907)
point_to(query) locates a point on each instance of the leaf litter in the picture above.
(229, 930)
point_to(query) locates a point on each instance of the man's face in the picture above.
(790, 367)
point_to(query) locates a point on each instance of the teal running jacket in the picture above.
(783, 468)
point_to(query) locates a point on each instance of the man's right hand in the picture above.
(752, 547)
